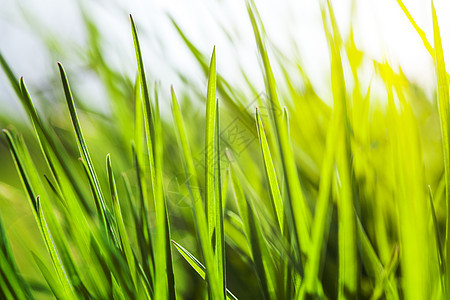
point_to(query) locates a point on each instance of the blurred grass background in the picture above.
(393, 123)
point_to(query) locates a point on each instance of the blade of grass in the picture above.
(123, 236)
(443, 105)
(34, 201)
(255, 240)
(348, 262)
(197, 266)
(298, 212)
(98, 195)
(219, 207)
(277, 202)
(162, 218)
(210, 146)
(201, 223)
(440, 251)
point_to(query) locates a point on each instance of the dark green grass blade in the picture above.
(197, 266)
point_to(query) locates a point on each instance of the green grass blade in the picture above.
(348, 262)
(443, 105)
(201, 223)
(143, 234)
(321, 221)
(220, 195)
(8, 269)
(277, 202)
(210, 146)
(123, 236)
(53, 283)
(54, 153)
(255, 240)
(298, 212)
(85, 155)
(440, 251)
(197, 266)
(57, 262)
(162, 217)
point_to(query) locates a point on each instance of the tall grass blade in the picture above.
(201, 223)
(443, 105)
(98, 195)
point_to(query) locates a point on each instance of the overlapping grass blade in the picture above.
(98, 194)
(164, 283)
(201, 223)
(277, 202)
(123, 236)
(297, 211)
(197, 266)
(443, 105)
(38, 213)
(255, 240)
(348, 263)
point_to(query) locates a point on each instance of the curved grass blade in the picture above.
(98, 195)
(197, 266)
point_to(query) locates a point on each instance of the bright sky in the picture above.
(381, 30)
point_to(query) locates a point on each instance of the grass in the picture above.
(292, 199)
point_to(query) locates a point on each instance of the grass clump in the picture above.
(290, 199)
